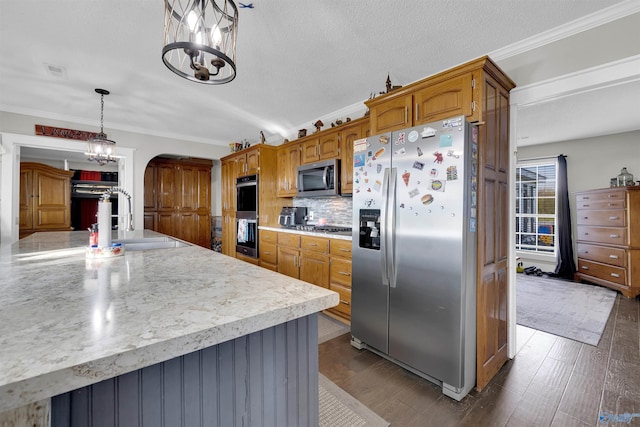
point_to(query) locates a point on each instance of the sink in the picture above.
(148, 243)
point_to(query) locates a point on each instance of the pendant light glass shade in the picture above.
(200, 39)
(100, 148)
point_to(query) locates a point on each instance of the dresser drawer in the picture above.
(603, 254)
(340, 272)
(603, 271)
(289, 240)
(606, 235)
(268, 253)
(613, 195)
(268, 236)
(602, 204)
(606, 218)
(316, 244)
(344, 306)
(341, 248)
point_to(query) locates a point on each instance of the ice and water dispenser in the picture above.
(369, 223)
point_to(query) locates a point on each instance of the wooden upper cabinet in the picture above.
(228, 172)
(391, 115)
(150, 187)
(347, 136)
(323, 147)
(45, 198)
(288, 160)
(443, 100)
(253, 162)
(166, 182)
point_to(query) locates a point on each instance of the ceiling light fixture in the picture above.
(100, 148)
(200, 39)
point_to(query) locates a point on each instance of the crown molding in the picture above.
(604, 16)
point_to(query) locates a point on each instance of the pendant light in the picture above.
(200, 39)
(100, 148)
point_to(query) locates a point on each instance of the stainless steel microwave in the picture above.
(319, 179)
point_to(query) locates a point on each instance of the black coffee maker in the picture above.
(292, 215)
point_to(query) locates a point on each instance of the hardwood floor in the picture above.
(552, 381)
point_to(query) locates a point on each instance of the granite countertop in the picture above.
(67, 321)
(338, 236)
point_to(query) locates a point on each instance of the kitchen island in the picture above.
(181, 335)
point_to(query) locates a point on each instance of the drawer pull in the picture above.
(585, 252)
(585, 205)
(584, 267)
(614, 236)
(615, 275)
(585, 197)
(267, 253)
(344, 302)
(613, 218)
(313, 244)
(344, 273)
(611, 195)
(345, 250)
(613, 256)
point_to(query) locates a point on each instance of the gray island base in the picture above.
(181, 336)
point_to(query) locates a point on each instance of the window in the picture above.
(536, 207)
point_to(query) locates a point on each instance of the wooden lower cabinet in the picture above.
(229, 234)
(340, 276)
(267, 249)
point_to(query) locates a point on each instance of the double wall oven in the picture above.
(247, 215)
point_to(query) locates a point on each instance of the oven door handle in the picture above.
(325, 177)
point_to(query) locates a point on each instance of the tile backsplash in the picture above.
(337, 210)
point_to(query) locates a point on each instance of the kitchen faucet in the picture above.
(107, 194)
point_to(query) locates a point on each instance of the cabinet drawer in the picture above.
(602, 271)
(603, 254)
(268, 236)
(607, 218)
(268, 253)
(344, 306)
(316, 244)
(340, 272)
(607, 235)
(602, 196)
(341, 248)
(602, 204)
(288, 239)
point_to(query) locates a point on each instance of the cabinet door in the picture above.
(310, 151)
(229, 234)
(150, 187)
(292, 169)
(228, 186)
(166, 223)
(282, 162)
(443, 100)
(328, 146)
(347, 137)
(203, 185)
(150, 220)
(288, 261)
(241, 165)
(391, 115)
(203, 230)
(166, 176)
(253, 161)
(52, 201)
(187, 187)
(26, 199)
(314, 268)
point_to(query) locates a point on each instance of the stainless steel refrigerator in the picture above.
(414, 250)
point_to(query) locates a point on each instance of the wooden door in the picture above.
(203, 188)
(253, 161)
(493, 238)
(294, 162)
(328, 146)
(229, 234)
(391, 115)
(282, 164)
(241, 165)
(288, 262)
(166, 180)
(187, 186)
(228, 186)
(52, 201)
(150, 187)
(314, 268)
(310, 151)
(347, 137)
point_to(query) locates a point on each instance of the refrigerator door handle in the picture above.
(391, 227)
(383, 230)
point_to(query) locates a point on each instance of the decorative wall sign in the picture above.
(55, 132)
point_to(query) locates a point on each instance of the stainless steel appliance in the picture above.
(292, 216)
(414, 250)
(247, 215)
(319, 179)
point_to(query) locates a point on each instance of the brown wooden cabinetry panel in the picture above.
(606, 235)
(443, 100)
(314, 268)
(603, 254)
(289, 240)
(341, 248)
(268, 253)
(343, 308)
(613, 218)
(316, 244)
(178, 199)
(288, 261)
(45, 198)
(347, 137)
(391, 115)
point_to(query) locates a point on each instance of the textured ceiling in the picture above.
(296, 61)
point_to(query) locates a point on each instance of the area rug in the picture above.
(329, 328)
(572, 310)
(339, 409)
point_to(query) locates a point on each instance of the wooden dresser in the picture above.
(609, 238)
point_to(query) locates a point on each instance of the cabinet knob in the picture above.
(585, 217)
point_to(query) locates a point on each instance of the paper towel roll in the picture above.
(104, 224)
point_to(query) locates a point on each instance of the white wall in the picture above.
(591, 163)
(146, 147)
